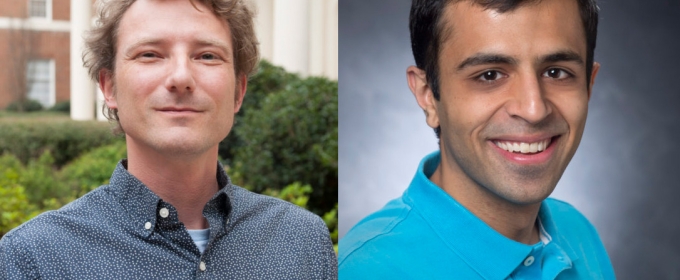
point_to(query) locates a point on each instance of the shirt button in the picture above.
(201, 266)
(529, 261)
(164, 212)
(147, 225)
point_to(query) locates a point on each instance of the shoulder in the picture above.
(378, 232)
(563, 213)
(54, 224)
(295, 230)
(267, 209)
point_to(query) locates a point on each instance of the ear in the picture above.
(106, 86)
(596, 68)
(417, 82)
(240, 92)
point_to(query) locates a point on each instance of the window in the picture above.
(40, 9)
(40, 81)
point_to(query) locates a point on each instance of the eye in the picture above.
(557, 74)
(148, 55)
(208, 56)
(490, 76)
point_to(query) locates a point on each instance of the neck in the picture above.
(186, 182)
(517, 222)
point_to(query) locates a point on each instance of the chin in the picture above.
(183, 145)
(524, 194)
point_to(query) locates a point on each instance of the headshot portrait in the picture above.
(174, 75)
(524, 140)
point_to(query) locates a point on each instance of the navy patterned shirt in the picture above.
(125, 231)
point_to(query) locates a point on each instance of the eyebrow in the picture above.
(485, 58)
(562, 56)
(491, 58)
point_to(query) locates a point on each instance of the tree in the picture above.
(293, 137)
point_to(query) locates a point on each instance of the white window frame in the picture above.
(48, 11)
(52, 93)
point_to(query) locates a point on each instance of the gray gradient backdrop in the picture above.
(625, 176)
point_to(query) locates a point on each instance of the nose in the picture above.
(528, 100)
(180, 77)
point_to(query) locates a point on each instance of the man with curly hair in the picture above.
(173, 73)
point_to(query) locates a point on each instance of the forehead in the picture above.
(531, 29)
(146, 20)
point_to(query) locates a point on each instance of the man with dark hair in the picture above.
(173, 73)
(505, 85)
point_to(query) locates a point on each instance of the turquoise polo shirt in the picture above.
(426, 234)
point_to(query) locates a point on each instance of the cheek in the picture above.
(573, 108)
(468, 113)
(136, 83)
(219, 88)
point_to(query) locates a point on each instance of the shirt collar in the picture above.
(143, 205)
(550, 227)
(464, 233)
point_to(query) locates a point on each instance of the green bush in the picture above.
(66, 139)
(267, 79)
(39, 178)
(28, 105)
(36, 187)
(293, 137)
(64, 106)
(15, 207)
(92, 169)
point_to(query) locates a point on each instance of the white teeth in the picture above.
(524, 148)
(533, 147)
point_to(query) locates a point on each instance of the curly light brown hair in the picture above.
(100, 42)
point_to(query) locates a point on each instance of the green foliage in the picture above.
(38, 177)
(293, 137)
(295, 193)
(66, 139)
(267, 79)
(28, 105)
(28, 190)
(93, 169)
(64, 106)
(15, 207)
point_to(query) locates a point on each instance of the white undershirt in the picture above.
(200, 238)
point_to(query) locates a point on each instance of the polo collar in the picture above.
(464, 233)
(143, 205)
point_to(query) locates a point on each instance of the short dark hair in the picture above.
(427, 27)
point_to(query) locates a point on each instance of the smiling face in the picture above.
(514, 96)
(174, 83)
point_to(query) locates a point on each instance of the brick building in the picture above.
(34, 50)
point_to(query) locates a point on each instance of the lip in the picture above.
(527, 159)
(178, 110)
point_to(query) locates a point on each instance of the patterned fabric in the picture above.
(125, 231)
